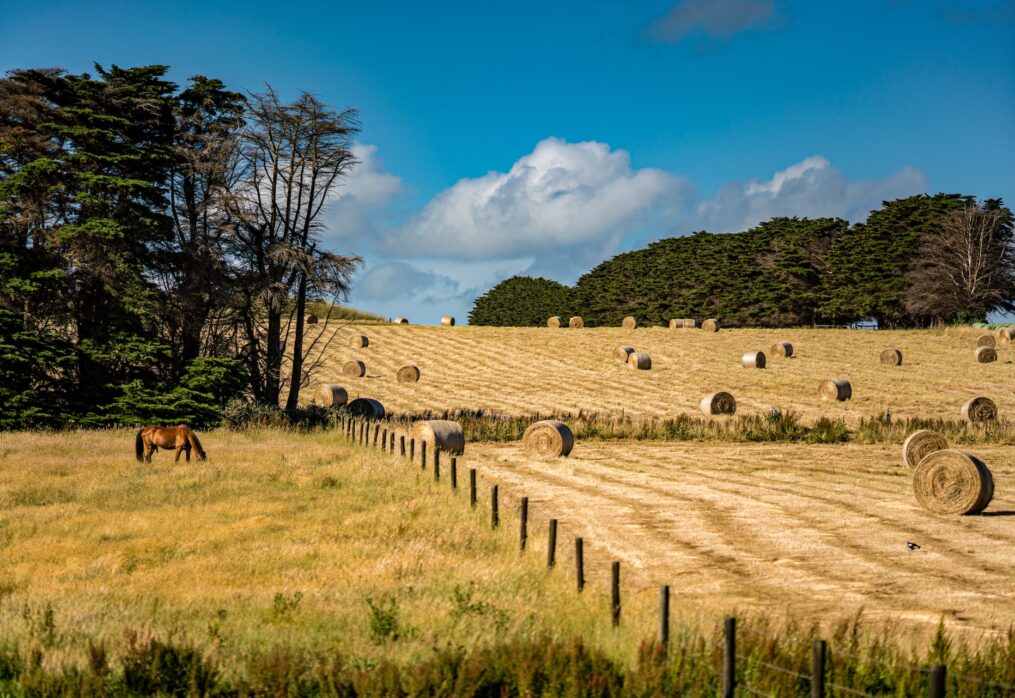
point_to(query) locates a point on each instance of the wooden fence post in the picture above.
(524, 527)
(615, 593)
(551, 546)
(664, 616)
(938, 673)
(494, 513)
(818, 651)
(454, 473)
(472, 487)
(579, 562)
(436, 464)
(729, 658)
(377, 432)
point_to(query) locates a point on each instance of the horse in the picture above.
(182, 438)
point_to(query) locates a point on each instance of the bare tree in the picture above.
(292, 158)
(967, 266)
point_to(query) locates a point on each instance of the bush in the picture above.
(522, 301)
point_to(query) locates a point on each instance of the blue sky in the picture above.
(544, 137)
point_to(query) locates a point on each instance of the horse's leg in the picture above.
(186, 449)
(150, 450)
(179, 450)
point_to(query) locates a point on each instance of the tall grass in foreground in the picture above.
(480, 425)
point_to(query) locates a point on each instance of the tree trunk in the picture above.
(297, 373)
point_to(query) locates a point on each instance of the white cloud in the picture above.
(810, 188)
(570, 199)
(360, 206)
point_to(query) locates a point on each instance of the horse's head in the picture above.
(203, 455)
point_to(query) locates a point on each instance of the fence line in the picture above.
(728, 675)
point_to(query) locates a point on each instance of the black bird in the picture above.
(911, 545)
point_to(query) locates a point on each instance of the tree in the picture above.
(291, 159)
(522, 301)
(966, 267)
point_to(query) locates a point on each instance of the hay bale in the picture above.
(447, 321)
(921, 444)
(629, 323)
(576, 323)
(639, 360)
(366, 407)
(359, 341)
(354, 369)
(835, 390)
(753, 359)
(682, 323)
(979, 410)
(953, 482)
(310, 319)
(400, 321)
(331, 395)
(440, 434)
(621, 353)
(718, 403)
(986, 340)
(407, 374)
(1006, 335)
(553, 322)
(783, 350)
(891, 357)
(710, 325)
(548, 439)
(985, 355)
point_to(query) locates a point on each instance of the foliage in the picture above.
(522, 301)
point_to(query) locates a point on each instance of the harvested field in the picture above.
(812, 531)
(518, 371)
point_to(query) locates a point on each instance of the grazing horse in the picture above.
(182, 438)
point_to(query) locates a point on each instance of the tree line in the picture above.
(160, 245)
(914, 262)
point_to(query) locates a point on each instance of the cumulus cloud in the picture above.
(713, 19)
(810, 188)
(360, 206)
(574, 199)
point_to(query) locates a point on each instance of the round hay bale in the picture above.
(986, 340)
(639, 360)
(921, 444)
(548, 439)
(783, 350)
(447, 321)
(891, 357)
(407, 374)
(979, 409)
(753, 359)
(629, 323)
(400, 321)
(331, 395)
(366, 407)
(710, 325)
(576, 323)
(718, 403)
(553, 322)
(310, 319)
(953, 482)
(985, 355)
(621, 353)
(359, 341)
(440, 434)
(682, 323)
(354, 369)
(835, 390)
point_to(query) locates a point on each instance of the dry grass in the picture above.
(518, 370)
(277, 539)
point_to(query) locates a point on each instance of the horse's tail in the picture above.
(139, 447)
(195, 443)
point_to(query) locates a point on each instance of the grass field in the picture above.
(527, 370)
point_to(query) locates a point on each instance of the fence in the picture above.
(365, 432)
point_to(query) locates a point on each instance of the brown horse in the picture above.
(182, 438)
